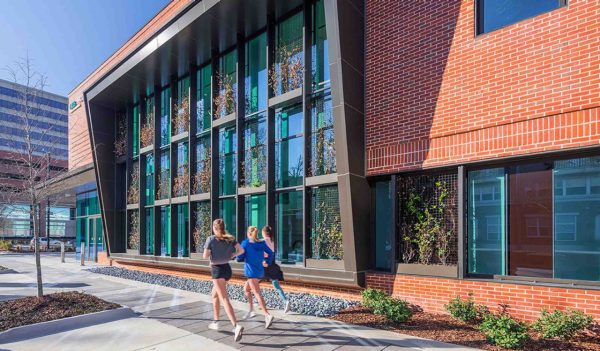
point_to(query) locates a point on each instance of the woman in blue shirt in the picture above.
(253, 257)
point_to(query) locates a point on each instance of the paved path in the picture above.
(172, 319)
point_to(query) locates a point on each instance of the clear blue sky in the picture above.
(68, 39)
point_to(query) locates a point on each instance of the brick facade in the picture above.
(525, 301)
(436, 94)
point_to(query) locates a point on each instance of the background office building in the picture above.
(48, 119)
(453, 149)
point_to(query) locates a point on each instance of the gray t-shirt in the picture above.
(220, 250)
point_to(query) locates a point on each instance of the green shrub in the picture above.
(465, 310)
(5, 245)
(504, 331)
(563, 325)
(380, 303)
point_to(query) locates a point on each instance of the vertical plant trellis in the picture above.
(326, 236)
(203, 173)
(203, 226)
(428, 230)
(147, 130)
(133, 193)
(133, 241)
(121, 139)
(181, 181)
(323, 154)
(181, 111)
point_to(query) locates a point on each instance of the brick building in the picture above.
(455, 143)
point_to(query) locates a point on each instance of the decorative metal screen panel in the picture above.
(428, 219)
(326, 236)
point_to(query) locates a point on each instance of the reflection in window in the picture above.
(164, 176)
(149, 191)
(226, 85)
(289, 147)
(203, 96)
(254, 166)
(320, 49)
(165, 230)
(577, 219)
(227, 161)
(165, 116)
(289, 223)
(287, 74)
(228, 213)
(495, 14)
(256, 74)
(182, 230)
(136, 130)
(322, 137)
(150, 231)
(486, 218)
(202, 178)
(256, 211)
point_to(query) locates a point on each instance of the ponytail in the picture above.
(220, 232)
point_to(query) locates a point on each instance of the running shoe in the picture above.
(237, 333)
(213, 326)
(249, 314)
(287, 307)
(268, 321)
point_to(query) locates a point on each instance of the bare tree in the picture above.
(30, 157)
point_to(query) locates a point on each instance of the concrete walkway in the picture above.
(172, 319)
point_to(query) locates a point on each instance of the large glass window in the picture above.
(60, 219)
(164, 177)
(165, 116)
(486, 221)
(495, 14)
(322, 137)
(165, 230)
(227, 161)
(149, 194)
(181, 120)
(256, 74)
(320, 49)
(577, 219)
(150, 231)
(289, 223)
(182, 230)
(289, 147)
(289, 61)
(136, 130)
(203, 225)
(256, 211)
(181, 181)
(326, 237)
(536, 220)
(384, 227)
(255, 151)
(147, 128)
(227, 85)
(203, 175)
(203, 96)
(228, 213)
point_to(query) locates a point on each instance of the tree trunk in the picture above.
(38, 263)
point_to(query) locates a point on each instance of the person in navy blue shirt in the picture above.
(253, 257)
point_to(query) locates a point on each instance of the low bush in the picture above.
(504, 331)
(5, 245)
(464, 310)
(380, 303)
(561, 324)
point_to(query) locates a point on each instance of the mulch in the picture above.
(30, 310)
(444, 328)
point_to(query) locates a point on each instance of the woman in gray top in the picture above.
(220, 248)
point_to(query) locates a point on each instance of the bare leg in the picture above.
(221, 285)
(248, 295)
(254, 285)
(215, 300)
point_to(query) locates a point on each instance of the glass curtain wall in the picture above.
(289, 57)
(180, 184)
(203, 98)
(165, 230)
(227, 85)
(289, 147)
(164, 177)
(86, 205)
(384, 224)
(202, 178)
(322, 140)
(165, 116)
(326, 225)
(256, 74)
(256, 211)
(227, 161)
(227, 211)
(320, 48)
(149, 194)
(136, 130)
(182, 230)
(149, 231)
(255, 151)
(289, 225)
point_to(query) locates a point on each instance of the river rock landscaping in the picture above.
(30, 310)
(303, 303)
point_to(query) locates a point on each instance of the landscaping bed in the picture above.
(444, 328)
(30, 310)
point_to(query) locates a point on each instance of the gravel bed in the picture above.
(303, 303)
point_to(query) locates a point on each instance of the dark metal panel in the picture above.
(462, 271)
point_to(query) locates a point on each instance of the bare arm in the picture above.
(239, 250)
(206, 254)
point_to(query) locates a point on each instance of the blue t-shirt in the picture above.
(253, 257)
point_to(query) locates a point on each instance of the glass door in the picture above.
(93, 242)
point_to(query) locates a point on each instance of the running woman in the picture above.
(220, 248)
(253, 256)
(272, 270)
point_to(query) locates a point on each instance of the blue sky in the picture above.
(68, 39)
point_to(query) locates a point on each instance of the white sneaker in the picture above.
(213, 326)
(249, 314)
(287, 307)
(237, 333)
(268, 321)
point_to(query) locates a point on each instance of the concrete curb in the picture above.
(64, 324)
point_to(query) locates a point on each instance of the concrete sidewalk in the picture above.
(173, 319)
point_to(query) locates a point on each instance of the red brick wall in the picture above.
(525, 301)
(437, 95)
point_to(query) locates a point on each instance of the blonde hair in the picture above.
(252, 233)
(220, 232)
